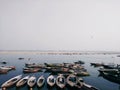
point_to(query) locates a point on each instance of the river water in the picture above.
(94, 78)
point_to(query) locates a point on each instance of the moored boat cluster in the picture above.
(72, 81)
(110, 72)
(55, 68)
(62, 75)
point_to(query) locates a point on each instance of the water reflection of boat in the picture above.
(11, 81)
(22, 82)
(40, 81)
(60, 81)
(3, 71)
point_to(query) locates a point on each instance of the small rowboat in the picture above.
(7, 68)
(31, 70)
(60, 81)
(51, 80)
(40, 81)
(88, 87)
(22, 82)
(31, 81)
(11, 81)
(71, 80)
(34, 65)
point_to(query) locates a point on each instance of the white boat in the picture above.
(31, 81)
(60, 81)
(89, 87)
(11, 81)
(71, 80)
(8, 68)
(40, 81)
(22, 82)
(5, 68)
(51, 80)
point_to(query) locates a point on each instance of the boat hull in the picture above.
(51, 81)
(40, 81)
(22, 82)
(60, 81)
(71, 80)
(11, 81)
(31, 81)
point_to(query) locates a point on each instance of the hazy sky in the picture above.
(60, 25)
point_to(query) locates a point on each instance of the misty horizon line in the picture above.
(66, 50)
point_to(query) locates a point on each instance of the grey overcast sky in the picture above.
(60, 25)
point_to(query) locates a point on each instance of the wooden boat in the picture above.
(112, 77)
(51, 80)
(79, 62)
(68, 65)
(40, 81)
(97, 64)
(118, 55)
(29, 64)
(71, 80)
(77, 67)
(88, 87)
(31, 81)
(60, 81)
(82, 73)
(11, 81)
(20, 58)
(112, 71)
(31, 70)
(59, 70)
(34, 65)
(79, 84)
(111, 66)
(22, 82)
(54, 65)
(3, 62)
(7, 68)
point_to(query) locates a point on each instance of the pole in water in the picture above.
(31, 89)
(3, 88)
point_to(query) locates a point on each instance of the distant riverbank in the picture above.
(52, 52)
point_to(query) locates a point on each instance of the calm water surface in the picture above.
(94, 78)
